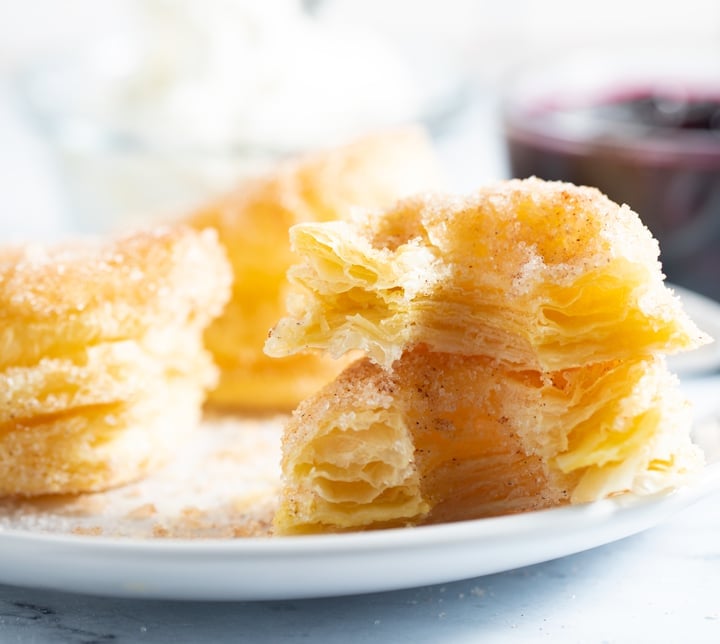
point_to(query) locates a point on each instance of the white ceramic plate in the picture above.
(706, 313)
(317, 566)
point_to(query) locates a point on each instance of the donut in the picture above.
(103, 368)
(252, 223)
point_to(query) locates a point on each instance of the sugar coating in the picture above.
(103, 369)
(515, 344)
(61, 298)
(235, 497)
(542, 274)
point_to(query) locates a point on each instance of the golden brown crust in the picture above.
(442, 437)
(103, 369)
(54, 300)
(515, 345)
(427, 441)
(541, 275)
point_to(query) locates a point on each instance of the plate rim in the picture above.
(330, 565)
(705, 483)
(438, 533)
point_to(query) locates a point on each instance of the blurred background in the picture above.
(114, 112)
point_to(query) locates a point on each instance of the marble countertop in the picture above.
(662, 585)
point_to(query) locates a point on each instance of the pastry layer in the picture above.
(88, 449)
(56, 301)
(253, 223)
(443, 437)
(515, 346)
(540, 275)
(105, 369)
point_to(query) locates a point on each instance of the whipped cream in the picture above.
(239, 73)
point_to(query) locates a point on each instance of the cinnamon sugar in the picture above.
(222, 484)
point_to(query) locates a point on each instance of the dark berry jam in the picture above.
(657, 151)
(665, 111)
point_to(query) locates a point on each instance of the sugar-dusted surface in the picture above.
(101, 361)
(223, 483)
(537, 274)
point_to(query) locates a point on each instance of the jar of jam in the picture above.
(644, 128)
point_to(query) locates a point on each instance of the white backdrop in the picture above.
(480, 39)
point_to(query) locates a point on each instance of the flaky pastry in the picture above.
(516, 345)
(543, 275)
(442, 437)
(253, 221)
(102, 366)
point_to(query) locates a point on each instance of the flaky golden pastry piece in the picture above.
(516, 345)
(102, 367)
(443, 437)
(541, 275)
(253, 221)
